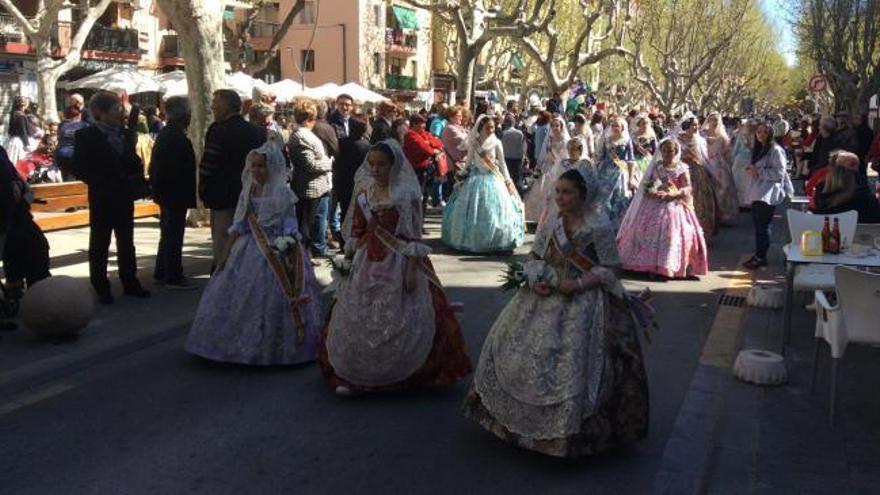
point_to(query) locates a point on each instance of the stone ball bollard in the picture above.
(57, 307)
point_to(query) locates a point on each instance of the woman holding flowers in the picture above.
(561, 370)
(660, 233)
(262, 305)
(392, 326)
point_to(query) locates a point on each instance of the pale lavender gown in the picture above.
(245, 317)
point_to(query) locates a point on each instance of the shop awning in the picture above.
(406, 18)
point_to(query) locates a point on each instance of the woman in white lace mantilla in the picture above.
(391, 326)
(561, 370)
(554, 150)
(485, 213)
(262, 305)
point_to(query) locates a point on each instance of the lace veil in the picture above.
(404, 189)
(277, 195)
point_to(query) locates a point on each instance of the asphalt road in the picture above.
(162, 421)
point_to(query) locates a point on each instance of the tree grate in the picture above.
(733, 301)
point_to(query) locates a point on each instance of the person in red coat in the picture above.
(422, 149)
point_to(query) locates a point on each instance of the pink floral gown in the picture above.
(663, 237)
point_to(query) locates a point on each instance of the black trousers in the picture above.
(111, 216)
(514, 168)
(762, 218)
(26, 255)
(169, 257)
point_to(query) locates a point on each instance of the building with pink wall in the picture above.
(380, 44)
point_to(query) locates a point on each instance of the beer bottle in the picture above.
(834, 242)
(826, 235)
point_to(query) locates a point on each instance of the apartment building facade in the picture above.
(383, 45)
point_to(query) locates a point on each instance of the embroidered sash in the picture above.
(620, 163)
(393, 243)
(288, 268)
(640, 310)
(580, 261)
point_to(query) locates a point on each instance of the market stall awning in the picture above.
(130, 80)
(287, 90)
(406, 18)
(360, 93)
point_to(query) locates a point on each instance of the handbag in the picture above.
(441, 164)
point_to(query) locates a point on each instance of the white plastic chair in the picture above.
(854, 320)
(810, 277)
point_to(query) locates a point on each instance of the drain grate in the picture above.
(733, 301)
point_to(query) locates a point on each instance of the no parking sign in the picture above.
(818, 83)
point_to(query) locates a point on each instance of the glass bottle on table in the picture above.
(834, 241)
(826, 235)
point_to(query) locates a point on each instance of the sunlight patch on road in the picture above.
(724, 337)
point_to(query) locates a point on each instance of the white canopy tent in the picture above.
(173, 83)
(360, 93)
(129, 80)
(287, 90)
(322, 92)
(244, 84)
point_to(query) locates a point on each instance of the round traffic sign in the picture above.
(818, 83)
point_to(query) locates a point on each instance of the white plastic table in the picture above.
(795, 257)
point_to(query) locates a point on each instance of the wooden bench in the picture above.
(66, 206)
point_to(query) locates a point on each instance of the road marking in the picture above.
(725, 335)
(35, 397)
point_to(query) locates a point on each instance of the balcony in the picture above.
(262, 33)
(12, 38)
(397, 81)
(397, 41)
(116, 44)
(170, 53)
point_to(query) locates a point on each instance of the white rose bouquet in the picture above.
(283, 243)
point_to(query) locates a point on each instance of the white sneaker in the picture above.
(343, 391)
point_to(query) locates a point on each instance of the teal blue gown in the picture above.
(482, 216)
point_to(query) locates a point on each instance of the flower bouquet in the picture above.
(340, 269)
(283, 243)
(513, 276)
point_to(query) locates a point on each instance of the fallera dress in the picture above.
(245, 316)
(719, 166)
(482, 216)
(742, 158)
(613, 179)
(553, 152)
(693, 153)
(564, 375)
(381, 336)
(659, 236)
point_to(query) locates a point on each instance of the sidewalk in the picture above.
(736, 438)
(779, 440)
(130, 324)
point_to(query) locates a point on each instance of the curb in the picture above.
(686, 457)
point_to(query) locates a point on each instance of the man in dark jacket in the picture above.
(105, 159)
(173, 177)
(382, 124)
(340, 118)
(227, 143)
(352, 153)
